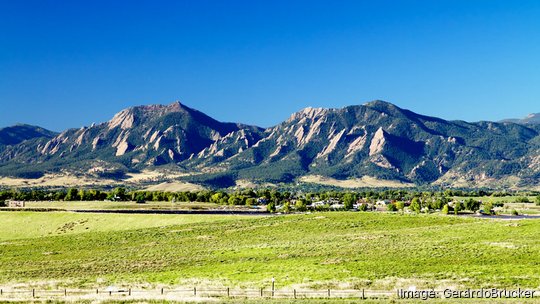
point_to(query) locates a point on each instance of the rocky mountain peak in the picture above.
(383, 106)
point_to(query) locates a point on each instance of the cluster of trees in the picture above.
(288, 201)
(446, 206)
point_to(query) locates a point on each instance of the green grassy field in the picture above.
(93, 205)
(36, 225)
(319, 250)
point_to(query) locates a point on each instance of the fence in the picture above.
(196, 292)
(13, 294)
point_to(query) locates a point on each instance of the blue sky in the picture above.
(70, 63)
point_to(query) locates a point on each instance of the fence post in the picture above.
(65, 292)
(228, 292)
(261, 292)
(1, 292)
(33, 293)
(294, 293)
(194, 291)
(363, 295)
(129, 292)
(161, 290)
(110, 293)
(97, 291)
(329, 293)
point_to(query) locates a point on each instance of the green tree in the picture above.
(415, 205)
(348, 200)
(250, 201)
(271, 207)
(157, 196)
(458, 206)
(216, 197)
(72, 195)
(438, 203)
(538, 200)
(287, 207)
(400, 205)
(120, 194)
(140, 198)
(234, 200)
(60, 195)
(523, 199)
(391, 207)
(301, 205)
(488, 208)
(472, 205)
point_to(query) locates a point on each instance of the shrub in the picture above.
(362, 207)
(324, 207)
(391, 207)
(538, 200)
(498, 204)
(415, 205)
(445, 209)
(458, 207)
(514, 212)
(400, 205)
(487, 208)
(271, 207)
(523, 199)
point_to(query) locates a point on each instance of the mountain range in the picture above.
(377, 140)
(530, 119)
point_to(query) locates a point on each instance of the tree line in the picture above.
(272, 197)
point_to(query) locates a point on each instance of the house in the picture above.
(337, 206)
(318, 204)
(15, 204)
(382, 202)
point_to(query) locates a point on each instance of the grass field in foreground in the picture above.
(319, 250)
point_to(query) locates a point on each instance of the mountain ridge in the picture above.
(533, 118)
(377, 139)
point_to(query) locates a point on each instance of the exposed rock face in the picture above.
(377, 142)
(125, 120)
(377, 139)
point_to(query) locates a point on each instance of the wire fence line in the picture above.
(197, 292)
(193, 292)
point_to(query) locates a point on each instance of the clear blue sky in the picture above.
(70, 63)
